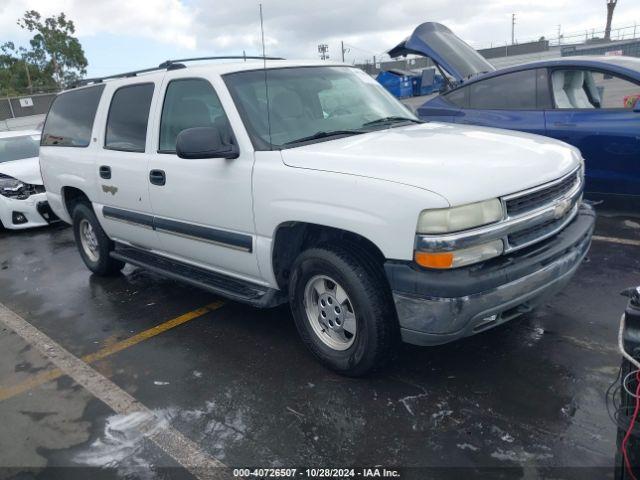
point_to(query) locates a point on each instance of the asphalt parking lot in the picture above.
(234, 385)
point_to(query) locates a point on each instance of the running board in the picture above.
(223, 285)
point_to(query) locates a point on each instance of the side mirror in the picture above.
(636, 106)
(204, 142)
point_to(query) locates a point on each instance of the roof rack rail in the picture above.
(169, 65)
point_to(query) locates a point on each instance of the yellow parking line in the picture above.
(29, 383)
(44, 377)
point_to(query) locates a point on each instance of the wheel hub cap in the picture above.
(330, 312)
(89, 240)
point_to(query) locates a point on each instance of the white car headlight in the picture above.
(460, 258)
(10, 187)
(455, 219)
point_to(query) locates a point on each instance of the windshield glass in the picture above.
(17, 148)
(309, 104)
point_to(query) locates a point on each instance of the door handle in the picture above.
(105, 172)
(564, 124)
(157, 177)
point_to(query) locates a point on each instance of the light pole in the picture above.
(323, 50)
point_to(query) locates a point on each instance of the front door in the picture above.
(120, 164)
(203, 208)
(592, 111)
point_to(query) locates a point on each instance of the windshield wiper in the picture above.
(390, 120)
(319, 135)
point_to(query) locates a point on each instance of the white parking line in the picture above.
(171, 441)
(620, 241)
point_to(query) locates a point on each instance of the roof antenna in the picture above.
(266, 84)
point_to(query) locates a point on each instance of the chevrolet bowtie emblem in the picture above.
(561, 208)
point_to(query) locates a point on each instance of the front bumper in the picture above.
(35, 209)
(436, 307)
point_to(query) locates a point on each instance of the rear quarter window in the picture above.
(458, 97)
(70, 119)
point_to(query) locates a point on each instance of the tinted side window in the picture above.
(458, 97)
(128, 117)
(70, 119)
(190, 103)
(513, 91)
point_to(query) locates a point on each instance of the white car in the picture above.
(275, 181)
(23, 201)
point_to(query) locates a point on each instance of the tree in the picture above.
(18, 74)
(53, 60)
(54, 48)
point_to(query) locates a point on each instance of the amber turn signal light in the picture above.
(434, 260)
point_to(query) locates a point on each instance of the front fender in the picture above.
(383, 212)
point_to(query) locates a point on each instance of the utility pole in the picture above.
(611, 6)
(513, 29)
(559, 34)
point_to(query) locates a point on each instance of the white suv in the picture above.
(275, 181)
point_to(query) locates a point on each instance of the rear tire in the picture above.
(93, 244)
(343, 309)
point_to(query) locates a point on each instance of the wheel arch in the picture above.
(292, 238)
(72, 196)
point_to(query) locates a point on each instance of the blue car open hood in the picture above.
(437, 42)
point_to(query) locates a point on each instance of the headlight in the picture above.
(459, 258)
(446, 220)
(11, 187)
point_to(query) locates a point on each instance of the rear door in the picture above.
(511, 101)
(121, 164)
(591, 111)
(203, 209)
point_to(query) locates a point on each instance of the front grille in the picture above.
(539, 198)
(33, 189)
(526, 236)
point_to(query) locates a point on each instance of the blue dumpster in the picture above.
(427, 82)
(398, 82)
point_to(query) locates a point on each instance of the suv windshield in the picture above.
(17, 148)
(312, 104)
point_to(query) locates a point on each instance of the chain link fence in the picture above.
(25, 106)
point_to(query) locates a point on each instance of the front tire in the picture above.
(343, 309)
(93, 244)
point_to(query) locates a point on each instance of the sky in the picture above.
(122, 35)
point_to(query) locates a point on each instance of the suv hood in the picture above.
(26, 170)
(464, 164)
(437, 42)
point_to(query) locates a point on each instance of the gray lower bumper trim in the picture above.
(434, 321)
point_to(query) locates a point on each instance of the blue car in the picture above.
(590, 102)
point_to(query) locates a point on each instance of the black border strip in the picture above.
(128, 216)
(221, 237)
